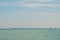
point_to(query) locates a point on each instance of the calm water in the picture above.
(30, 34)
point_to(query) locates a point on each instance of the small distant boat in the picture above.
(50, 28)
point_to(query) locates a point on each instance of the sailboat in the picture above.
(50, 28)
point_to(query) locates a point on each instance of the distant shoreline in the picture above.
(28, 28)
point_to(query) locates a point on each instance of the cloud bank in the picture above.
(38, 5)
(29, 4)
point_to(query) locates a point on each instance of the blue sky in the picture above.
(29, 13)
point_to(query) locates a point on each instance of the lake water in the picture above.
(30, 34)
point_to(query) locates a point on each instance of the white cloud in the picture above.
(26, 4)
(38, 5)
(43, 0)
(46, 14)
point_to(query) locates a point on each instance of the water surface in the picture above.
(30, 34)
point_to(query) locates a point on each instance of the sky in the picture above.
(29, 13)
